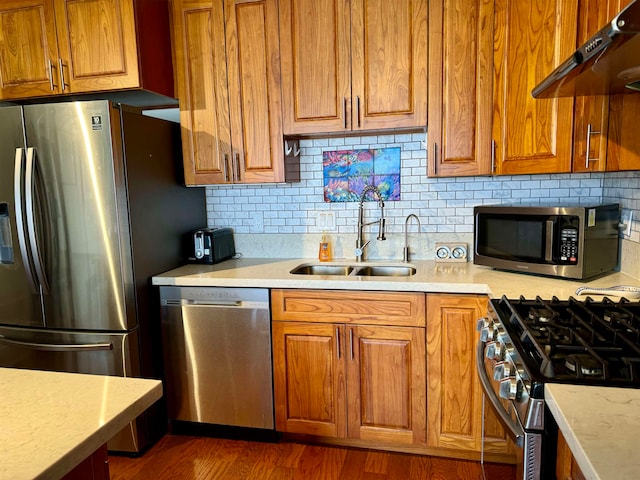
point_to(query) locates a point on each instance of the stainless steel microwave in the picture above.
(570, 242)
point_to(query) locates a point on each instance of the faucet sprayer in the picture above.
(360, 243)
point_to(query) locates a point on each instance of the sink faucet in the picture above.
(406, 253)
(360, 243)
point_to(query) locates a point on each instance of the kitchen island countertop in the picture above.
(430, 277)
(600, 425)
(52, 421)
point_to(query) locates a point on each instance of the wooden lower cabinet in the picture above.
(566, 466)
(349, 380)
(454, 406)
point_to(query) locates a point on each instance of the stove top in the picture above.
(569, 341)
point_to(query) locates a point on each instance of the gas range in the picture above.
(527, 343)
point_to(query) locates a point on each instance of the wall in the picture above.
(282, 220)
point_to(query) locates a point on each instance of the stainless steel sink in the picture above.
(386, 271)
(315, 269)
(355, 270)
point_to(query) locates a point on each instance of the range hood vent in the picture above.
(608, 63)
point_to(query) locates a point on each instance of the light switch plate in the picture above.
(451, 252)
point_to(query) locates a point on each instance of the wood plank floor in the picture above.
(177, 457)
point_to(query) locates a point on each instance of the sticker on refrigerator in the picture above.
(96, 122)
(591, 217)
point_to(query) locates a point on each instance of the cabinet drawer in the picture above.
(374, 308)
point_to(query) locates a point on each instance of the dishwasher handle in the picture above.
(213, 303)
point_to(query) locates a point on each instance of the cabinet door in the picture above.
(309, 383)
(454, 407)
(255, 105)
(591, 112)
(566, 466)
(389, 64)
(28, 49)
(386, 384)
(623, 141)
(316, 82)
(530, 39)
(97, 42)
(201, 75)
(460, 88)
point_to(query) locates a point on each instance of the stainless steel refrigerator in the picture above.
(91, 207)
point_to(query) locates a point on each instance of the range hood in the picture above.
(608, 63)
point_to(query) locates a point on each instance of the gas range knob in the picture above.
(501, 371)
(511, 388)
(489, 350)
(482, 323)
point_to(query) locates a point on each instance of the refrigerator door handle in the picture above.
(20, 227)
(31, 224)
(53, 347)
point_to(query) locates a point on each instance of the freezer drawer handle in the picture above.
(52, 347)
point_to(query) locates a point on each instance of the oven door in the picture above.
(529, 444)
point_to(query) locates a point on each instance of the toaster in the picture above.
(210, 245)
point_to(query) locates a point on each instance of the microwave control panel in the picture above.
(569, 245)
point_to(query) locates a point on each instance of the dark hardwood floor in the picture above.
(198, 458)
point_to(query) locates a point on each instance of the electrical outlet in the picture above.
(451, 252)
(626, 220)
(325, 221)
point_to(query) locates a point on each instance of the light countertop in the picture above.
(52, 421)
(600, 425)
(430, 276)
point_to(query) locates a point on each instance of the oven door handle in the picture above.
(514, 430)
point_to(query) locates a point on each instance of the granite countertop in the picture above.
(600, 425)
(52, 421)
(430, 276)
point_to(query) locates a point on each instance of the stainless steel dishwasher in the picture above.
(217, 355)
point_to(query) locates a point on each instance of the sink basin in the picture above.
(314, 269)
(386, 271)
(355, 270)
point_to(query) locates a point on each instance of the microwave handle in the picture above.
(548, 248)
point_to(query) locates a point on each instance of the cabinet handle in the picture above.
(358, 109)
(435, 157)
(351, 343)
(225, 167)
(51, 84)
(237, 165)
(344, 111)
(338, 342)
(590, 132)
(61, 73)
(493, 156)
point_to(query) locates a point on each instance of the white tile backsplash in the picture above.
(287, 213)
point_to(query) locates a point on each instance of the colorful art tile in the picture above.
(347, 172)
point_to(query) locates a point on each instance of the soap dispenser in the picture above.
(324, 253)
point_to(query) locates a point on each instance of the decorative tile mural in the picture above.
(347, 172)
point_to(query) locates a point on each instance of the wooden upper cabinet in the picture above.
(591, 112)
(228, 76)
(454, 407)
(388, 64)
(623, 146)
(201, 75)
(530, 40)
(28, 49)
(460, 88)
(316, 80)
(52, 47)
(255, 101)
(353, 65)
